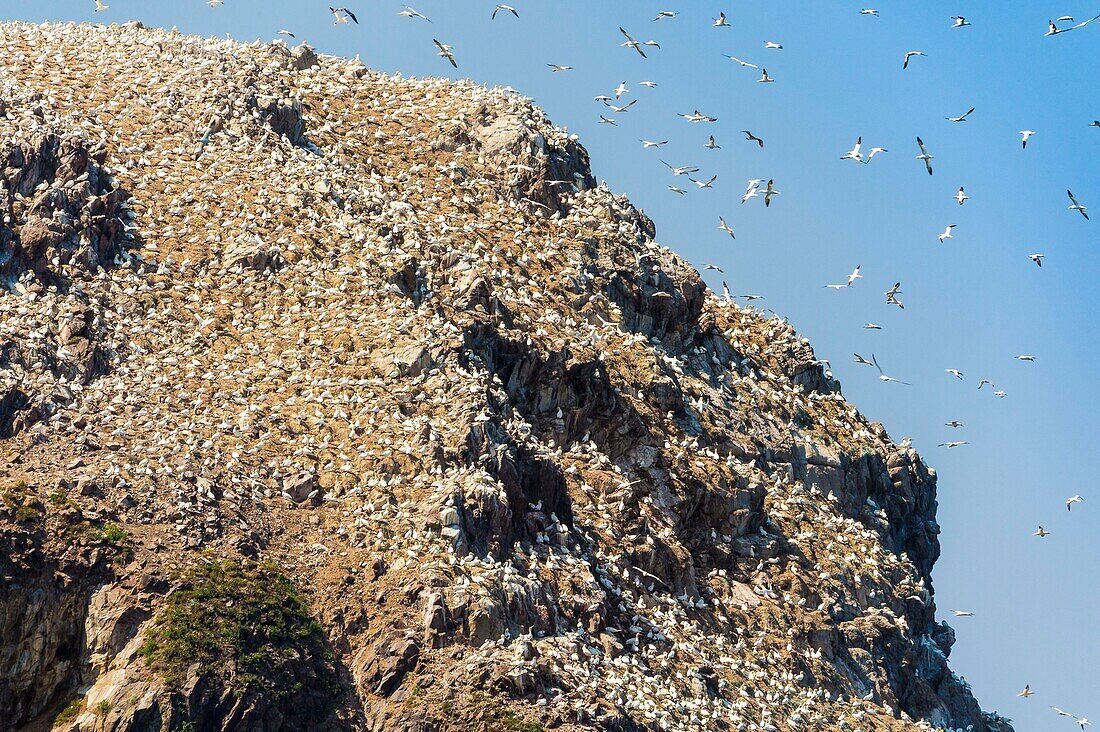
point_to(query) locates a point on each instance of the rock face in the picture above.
(390, 339)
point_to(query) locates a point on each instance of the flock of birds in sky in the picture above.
(757, 188)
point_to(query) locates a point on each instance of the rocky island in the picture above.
(323, 408)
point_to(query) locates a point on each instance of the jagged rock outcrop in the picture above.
(385, 344)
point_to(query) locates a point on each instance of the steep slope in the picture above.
(322, 408)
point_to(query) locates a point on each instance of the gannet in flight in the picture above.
(1072, 500)
(882, 375)
(682, 170)
(652, 143)
(446, 51)
(753, 138)
(557, 67)
(1026, 692)
(743, 63)
(704, 184)
(873, 152)
(666, 14)
(769, 193)
(855, 275)
(752, 190)
(726, 227)
(764, 78)
(963, 614)
(1026, 135)
(1075, 206)
(960, 21)
(611, 106)
(1037, 258)
(892, 296)
(854, 153)
(868, 11)
(720, 21)
(342, 15)
(631, 43)
(956, 443)
(711, 144)
(955, 372)
(925, 156)
(505, 8)
(947, 233)
(697, 117)
(100, 6)
(962, 117)
(1040, 532)
(1025, 357)
(772, 44)
(909, 55)
(1052, 29)
(961, 196)
(410, 13)
(953, 423)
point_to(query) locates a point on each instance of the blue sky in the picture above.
(972, 303)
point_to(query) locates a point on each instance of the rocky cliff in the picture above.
(322, 408)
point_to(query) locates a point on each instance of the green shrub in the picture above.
(245, 622)
(68, 713)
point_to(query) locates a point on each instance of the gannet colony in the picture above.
(332, 400)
